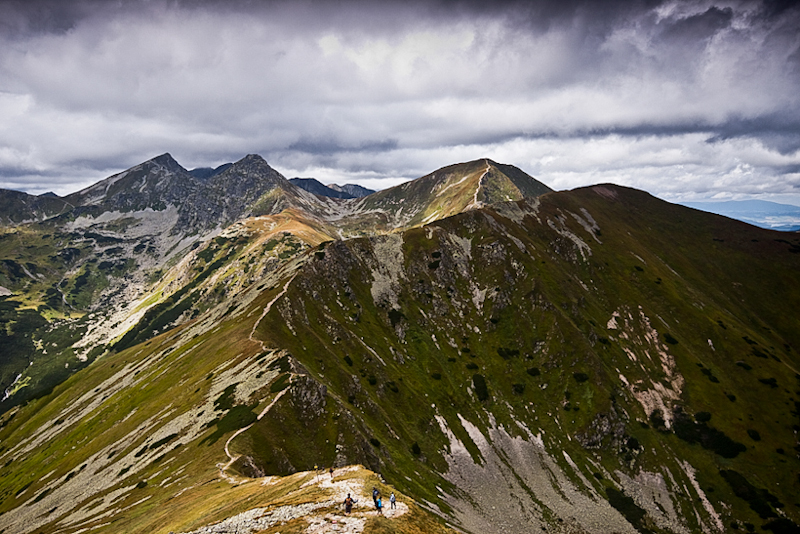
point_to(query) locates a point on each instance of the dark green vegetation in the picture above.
(36, 353)
(595, 356)
(635, 515)
(56, 278)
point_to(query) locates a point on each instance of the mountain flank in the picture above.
(509, 358)
(17, 207)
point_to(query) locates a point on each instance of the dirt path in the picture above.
(267, 308)
(223, 468)
(475, 203)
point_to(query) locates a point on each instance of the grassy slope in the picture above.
(53, 277)
(174, 487)
(136, 440)
(544, 306)
(683, 276)
(176, 382)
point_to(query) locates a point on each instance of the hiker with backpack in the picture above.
(348, 505)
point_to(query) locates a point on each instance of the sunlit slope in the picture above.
(139, 441)
(442, 193)
(147, 422)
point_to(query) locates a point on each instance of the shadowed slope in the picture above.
(17, 207)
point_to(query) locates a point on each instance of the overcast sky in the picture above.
(686, 100)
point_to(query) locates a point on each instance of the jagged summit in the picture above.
(253, 166)
(257, 159)
(168, 161)
(158, 181)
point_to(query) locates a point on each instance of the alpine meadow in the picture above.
(223, 350)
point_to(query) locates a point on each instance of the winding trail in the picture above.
(231, 458)
(267, 308)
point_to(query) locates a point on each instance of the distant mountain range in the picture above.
(311, 185)
(191, 351)
(783, 217)
(334, 191)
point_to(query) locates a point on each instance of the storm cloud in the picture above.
(687, 100)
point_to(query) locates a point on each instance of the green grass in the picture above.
(507, 338)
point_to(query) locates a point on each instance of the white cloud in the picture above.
(362, 94)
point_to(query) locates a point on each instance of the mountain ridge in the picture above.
(586, 361)
(122, 234)
(21, 208)
(313, 185)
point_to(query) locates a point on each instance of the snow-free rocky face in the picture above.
(511, 361)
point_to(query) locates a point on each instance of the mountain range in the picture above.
(336, 191)
(183, 351)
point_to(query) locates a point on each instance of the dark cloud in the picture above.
(698, 28)
(328, 146)
(778, 132)
(19, 17)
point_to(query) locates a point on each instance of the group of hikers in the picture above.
(376, 498)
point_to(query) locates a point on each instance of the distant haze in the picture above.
(761, 213)
(687, 100)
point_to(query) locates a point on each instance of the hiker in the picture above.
(331, 471)
(379, 505)
(391, 501)
(375, 496)
(348, 505)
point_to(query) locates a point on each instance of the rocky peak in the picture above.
(167, 161)
(152, 184)
(451, 190)
(248, 171)
(252, 163)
